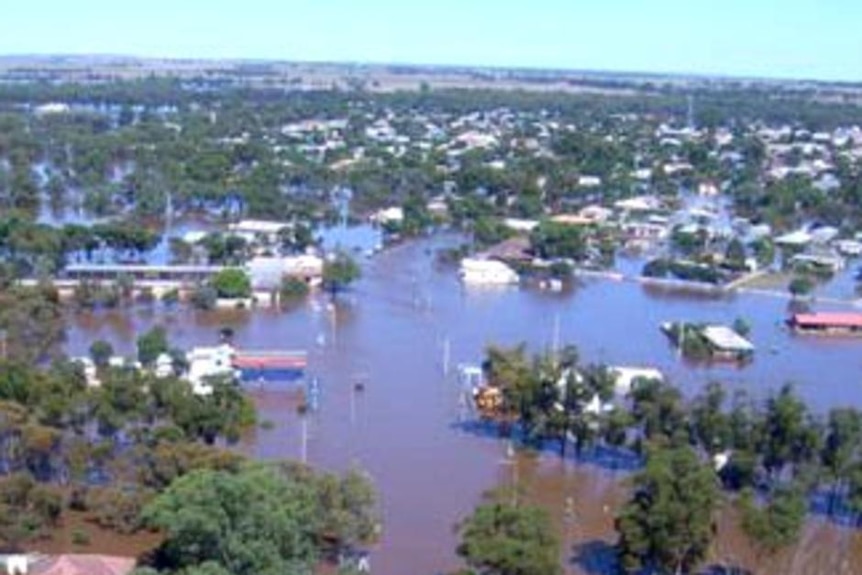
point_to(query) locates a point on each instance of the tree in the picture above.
(786, 436)
(339, 271)
(841, 448)
(778, 523)
(152, 344)
(710, 425)
(800, 286)
(500, 538)
(667, 525)
(231, 283)
(253, 522)
(554, 240)
(735, 255)
(100, 352)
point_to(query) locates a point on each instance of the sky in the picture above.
(816, 39)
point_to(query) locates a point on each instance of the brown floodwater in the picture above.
(404, 428)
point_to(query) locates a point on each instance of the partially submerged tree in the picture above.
(339, 271)
(668, 523)
(501, 538)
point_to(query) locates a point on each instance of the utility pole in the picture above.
(304, 450)
(446, 354)
(555, 344)
(512, 460)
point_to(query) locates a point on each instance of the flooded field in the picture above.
(390, 333)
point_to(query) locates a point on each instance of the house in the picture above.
(391, 215)
(589, 181)
(827, 323)
(89, 369)
(725, 343)
(596, 213)
(638, 204)
(164, 366)
(515, 249)
(266, 272)
(207, 362)
(487, 272)
(520, 225)
(825, 260)
(68, 565)
(258, 230)
(798, 239)
(851, 248)
(720, 342)
(645, 231)
(626, 377)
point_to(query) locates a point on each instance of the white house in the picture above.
(266, 272)
(589, 181)
(625, 377)
(394, 214)
(520, 225)
(487, 272)
(206, 362)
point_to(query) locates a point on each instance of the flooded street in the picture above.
(403, 428)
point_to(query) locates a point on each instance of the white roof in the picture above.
(625, 377)
(520, 225)
(258, 227)
(799, 237)
(724, 338)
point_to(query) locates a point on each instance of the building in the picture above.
(266, 272)
(392, 215)
(37, 564)
(520, 225)
(827, 323)
(487, 272)
(820, 260)
(724, 343)
(626, 377)
(208, 362)
(258, 230)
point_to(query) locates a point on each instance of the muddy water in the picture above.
(403, 429)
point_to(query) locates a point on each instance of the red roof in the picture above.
(84, 565)
(828, 319)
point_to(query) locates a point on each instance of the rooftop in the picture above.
(830, 319)
(723, 338)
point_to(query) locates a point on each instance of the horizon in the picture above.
(793, 40)
(585, 72)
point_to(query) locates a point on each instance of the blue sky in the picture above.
(792, 38)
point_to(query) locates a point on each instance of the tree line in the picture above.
(769, 459)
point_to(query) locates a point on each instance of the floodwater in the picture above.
(389, 332)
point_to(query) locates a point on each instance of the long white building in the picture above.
(487, 272)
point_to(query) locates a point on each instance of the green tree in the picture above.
(554, 240)
(668, 525)
(800, 286)
(339, 271)
(152, 344)
(788, 436)
(231, 283)
(734, 257)
(778, 523)
(100, 352)
(253, 522)
(500, 538)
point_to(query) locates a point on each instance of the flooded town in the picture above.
(270, 317)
